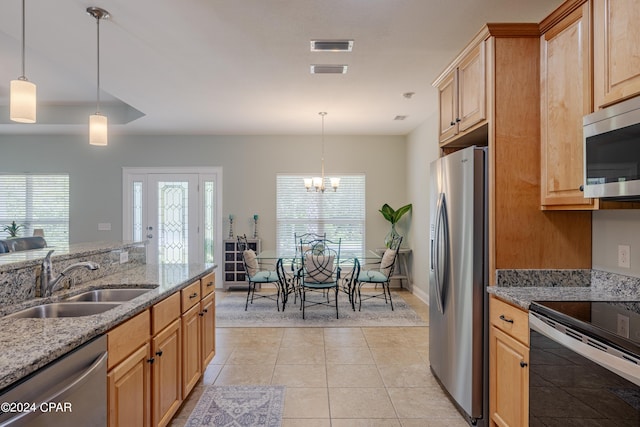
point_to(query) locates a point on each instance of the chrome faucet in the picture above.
(48, 285)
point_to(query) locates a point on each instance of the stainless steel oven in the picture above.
(584, 364)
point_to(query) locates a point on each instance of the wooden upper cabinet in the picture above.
(566, 96)
(462, 96)
(471, 89)
(448, 99)
(616, 50)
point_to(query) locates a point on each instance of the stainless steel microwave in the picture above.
(612, 152)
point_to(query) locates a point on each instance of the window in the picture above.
(341, 214)
(36, 201)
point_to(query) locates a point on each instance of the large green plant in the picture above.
(392, 215)
(13, 229)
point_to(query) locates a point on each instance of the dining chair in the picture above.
(320, 272)
(381, 275)
(288, 283)
(257, 275)
(349, 282)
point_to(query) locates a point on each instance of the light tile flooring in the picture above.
(338, 377)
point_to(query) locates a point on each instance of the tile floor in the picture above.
(335, 377)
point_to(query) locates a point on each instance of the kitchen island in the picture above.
(31, 343)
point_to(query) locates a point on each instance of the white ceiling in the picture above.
(241, 66)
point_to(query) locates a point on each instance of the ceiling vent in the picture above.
(331, 45)
(400, 117)
(329, 69)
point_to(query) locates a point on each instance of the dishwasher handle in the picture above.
(80, 379)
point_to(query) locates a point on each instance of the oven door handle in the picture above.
(625, 369)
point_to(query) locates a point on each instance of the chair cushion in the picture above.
(251, 262)
(387, 262)
(318, 268)
(264, 276)
(372, 276)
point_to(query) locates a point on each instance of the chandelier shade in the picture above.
(98, 129)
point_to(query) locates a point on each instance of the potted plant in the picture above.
(13, 229)
(393, 216)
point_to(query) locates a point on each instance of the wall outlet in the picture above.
(104, 226)
(623, 325)
(124, 257)
(624, 253)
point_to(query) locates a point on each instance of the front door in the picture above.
(176, 212)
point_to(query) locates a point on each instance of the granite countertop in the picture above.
(29, 344)
(521, 287)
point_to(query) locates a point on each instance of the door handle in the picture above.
(149, 236)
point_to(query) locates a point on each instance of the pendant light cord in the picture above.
(98, 63)
(23, 44)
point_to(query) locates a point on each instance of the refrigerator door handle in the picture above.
(441, 223)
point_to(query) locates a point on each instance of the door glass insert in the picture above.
(173, 222)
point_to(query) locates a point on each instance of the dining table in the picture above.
(292, 261)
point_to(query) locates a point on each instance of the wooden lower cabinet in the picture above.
(508, 365)
(208, 321)
(191, 349)
(157, 357)
(167, 373)
(129, 390)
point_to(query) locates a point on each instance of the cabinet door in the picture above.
(167, 373)
(448, 98)
(509, 380)
(129, 390)
(471, 89)
(191, 349)
(616, 50)
(208, 320)
(565, 64)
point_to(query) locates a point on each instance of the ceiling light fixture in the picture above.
(331, 45)
(317, 182)
(22, 98)
(329, 69)
(97, 121)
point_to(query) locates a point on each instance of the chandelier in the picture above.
(317, 182)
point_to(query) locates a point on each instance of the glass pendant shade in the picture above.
(308, 182)
(335, 183)
(317, 182)
(22, 104)
(97, 129)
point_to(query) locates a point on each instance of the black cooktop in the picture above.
(617, 322)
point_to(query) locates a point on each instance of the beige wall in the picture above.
(610, 229)
(250, 165)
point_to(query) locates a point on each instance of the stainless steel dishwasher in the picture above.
(71, 391)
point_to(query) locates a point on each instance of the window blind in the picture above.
(341, 214)
(36, 201)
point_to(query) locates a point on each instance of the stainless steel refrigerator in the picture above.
(458, 276)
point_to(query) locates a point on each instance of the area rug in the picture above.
(263, 313)
(236, 406)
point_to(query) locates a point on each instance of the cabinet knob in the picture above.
(193, 295)
(504, 319)
(159, 353)
(581, 188)
(452, 123)
(523, 364)
(150, 361)
(209, 284)
(206, 310)
(201, 314)
(458, 120)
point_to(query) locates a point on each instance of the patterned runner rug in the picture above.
(236, 406)
(263, 313)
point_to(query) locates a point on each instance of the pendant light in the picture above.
(97, 121)
(317, 182)
(22, 98)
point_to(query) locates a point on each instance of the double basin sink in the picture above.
(85, 304)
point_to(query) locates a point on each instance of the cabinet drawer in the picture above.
(165, 312)
(190, 295)
(128, 337)
(510, 319)
(207, 284)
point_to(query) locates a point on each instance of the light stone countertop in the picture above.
(28, 344)
(521, 287)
